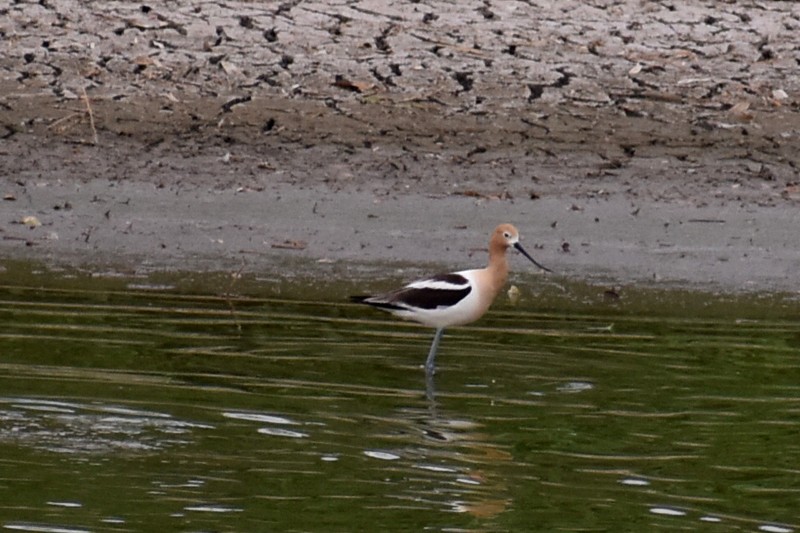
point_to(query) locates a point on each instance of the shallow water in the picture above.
(135, 406)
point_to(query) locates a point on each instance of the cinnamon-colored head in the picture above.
(506, 236)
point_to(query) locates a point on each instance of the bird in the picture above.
(455, 298)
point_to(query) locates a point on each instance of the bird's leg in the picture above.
(430, 389)
(430, 363)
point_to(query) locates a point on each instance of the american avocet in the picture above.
(453, 299)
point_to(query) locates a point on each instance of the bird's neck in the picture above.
(497, 268)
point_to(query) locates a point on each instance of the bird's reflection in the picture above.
(456, 457)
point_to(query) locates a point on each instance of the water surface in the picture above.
(138, 406)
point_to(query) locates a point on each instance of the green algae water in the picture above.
(134, 406)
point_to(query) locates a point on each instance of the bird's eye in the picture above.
(507, 235)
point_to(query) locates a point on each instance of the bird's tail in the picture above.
(377, 301)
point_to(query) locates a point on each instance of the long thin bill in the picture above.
(519, 247)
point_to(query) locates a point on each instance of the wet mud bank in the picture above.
(653, 143)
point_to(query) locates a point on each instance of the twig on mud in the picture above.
(64, 119)
(91, 115)
(63, 124)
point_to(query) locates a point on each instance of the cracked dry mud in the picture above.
(638, 134)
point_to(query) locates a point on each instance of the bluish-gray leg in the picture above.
(430, 390)
(430, 363)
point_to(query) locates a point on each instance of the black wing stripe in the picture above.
(455, 279)
(409, 298)
(428, 298)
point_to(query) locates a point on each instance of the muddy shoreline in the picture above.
(306, 139)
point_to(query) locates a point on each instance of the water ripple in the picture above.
(145, 407)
